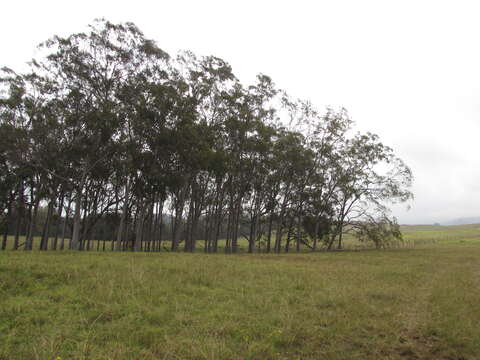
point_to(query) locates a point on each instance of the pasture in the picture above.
(418, 302)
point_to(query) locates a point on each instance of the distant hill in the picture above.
(463, 221)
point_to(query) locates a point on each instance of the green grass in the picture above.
(420, 302)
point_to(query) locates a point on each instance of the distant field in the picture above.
(425, 234)
(419, 302)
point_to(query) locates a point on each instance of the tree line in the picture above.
(107, 137)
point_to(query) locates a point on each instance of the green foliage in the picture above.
(382, 232)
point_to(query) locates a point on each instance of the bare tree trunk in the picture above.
(299, 232)
(237, 213)
(18, 228)
(20, 215)
(160, 224)
(137, 246)
(127, 236)
(252, 235)
(148, 244)
(118, 243)
(57, 227)
(289, 235)
(65, 220)
(230, 221)
(279, 232)
(340, 236)
(315, 235)
(270, 226)
(188, 232)
(46, 227)
(32, 226)
(8, 220)
(180, 203)
(77, 218)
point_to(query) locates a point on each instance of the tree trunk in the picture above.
(65, 220)
(46, 227)
(180, 203)
(20, 215)
(33, 225)
(7, 223)
(118, 243)
(137, 246)
(289, 235)
(270, 227)
(299, 232)
(57, 227)
(160, 225)
(77, 219)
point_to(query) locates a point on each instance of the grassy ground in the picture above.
(421, 302)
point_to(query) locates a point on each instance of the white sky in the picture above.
(406, 70)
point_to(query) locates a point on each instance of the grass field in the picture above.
(420, 302)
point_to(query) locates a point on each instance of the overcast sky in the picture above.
(406, 70)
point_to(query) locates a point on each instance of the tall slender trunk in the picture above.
(254, 223)
(137, 246)
(160, 226)
(270, 227)
(65, 220)
(238, 214)
(118, 243)
(299, 232)
(32, 226)
(279, 232)
(218, 216)
(57, 225)
(20, 215)
(18, 227)
(126, 241)
(153, 234)
(46, 227)
(253, 232)
(149, 235)
(289, 235)
(315, 235)
(340, 236)
(28, 216)
(179, 205)
(8, 219)
(188, 227)
(77, 217)
(207, 233)
(230, 221)
(5, 236)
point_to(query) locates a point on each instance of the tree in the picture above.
(108, 138)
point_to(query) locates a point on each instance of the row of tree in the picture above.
(108, 137)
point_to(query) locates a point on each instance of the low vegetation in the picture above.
(419, 302)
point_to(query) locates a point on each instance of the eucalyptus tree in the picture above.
(8, 189)
(148, 100)
(86, 71)
(258, 123)
(25, 116)
(370, 177)
(205, 86)
(382, 230)
(106, 128)
(326, 136)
